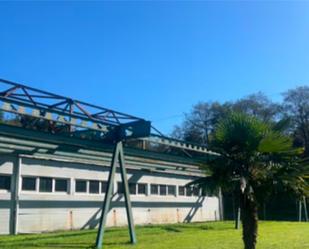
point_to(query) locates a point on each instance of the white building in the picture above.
(50, 182)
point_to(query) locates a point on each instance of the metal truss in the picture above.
(38, 109)
(55, 109)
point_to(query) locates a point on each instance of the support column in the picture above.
(221, 215)
(15, 196)
(305, 208)
(237, 218)
(299, 210)
(126, 194)
(107, 199)
(118, 156)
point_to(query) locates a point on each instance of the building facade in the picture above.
(49, 183)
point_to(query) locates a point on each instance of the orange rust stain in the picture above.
(178, 217)
(71, 219)
(114, 217)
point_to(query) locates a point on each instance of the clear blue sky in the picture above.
(155, 59)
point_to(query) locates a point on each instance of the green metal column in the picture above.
(117, 156)
(126, 194)
(107, 199)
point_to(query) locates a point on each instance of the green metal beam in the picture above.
(117, 157)
(126, 193)
(107, 199)
(21, 136)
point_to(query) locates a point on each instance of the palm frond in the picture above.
(275, 142)
(207, 183)
(282, 124)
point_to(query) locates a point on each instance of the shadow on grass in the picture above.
(40, 238)
(187, 226)
(172, 229)
(62, 239)
(56, 245)
(79, 245)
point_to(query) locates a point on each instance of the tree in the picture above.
(200, 122)
(296, 106)
(256, 158)
(257, 105)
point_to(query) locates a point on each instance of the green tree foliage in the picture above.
(296, 106)
(259, 106)
(200, 122)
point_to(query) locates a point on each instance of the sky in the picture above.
(155, 59)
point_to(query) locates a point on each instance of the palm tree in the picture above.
(256, 158)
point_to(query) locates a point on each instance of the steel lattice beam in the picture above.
(78, 118)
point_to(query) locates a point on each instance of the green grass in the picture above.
(210, 235)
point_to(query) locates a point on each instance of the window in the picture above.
(154, 189)
(196, 191)
(28, 183)
(81, 186)
(189, 191)
(103, 187)
(94, 187)
(120, 188)
(162, 189)
(5, 182)
(181, 190)
(46, 184)
(171, 190)
(61, 185)
(142, 188)
(132, 188)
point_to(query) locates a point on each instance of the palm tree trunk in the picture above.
(249, 213)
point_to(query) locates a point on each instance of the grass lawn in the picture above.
(210, 235)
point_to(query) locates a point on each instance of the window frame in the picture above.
(36, 184)
(168, 190)
(52, 185)
(86, 187)
(189, 191)
(67, 185)
(184, 191)
(164, 186)
(157, 187)
(89, 188)
(146, 189)
(4, 190)
(130, 187)
(102, 183)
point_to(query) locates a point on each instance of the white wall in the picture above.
(59, 211)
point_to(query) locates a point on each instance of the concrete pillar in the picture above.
(220, 196)
(16, 179)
